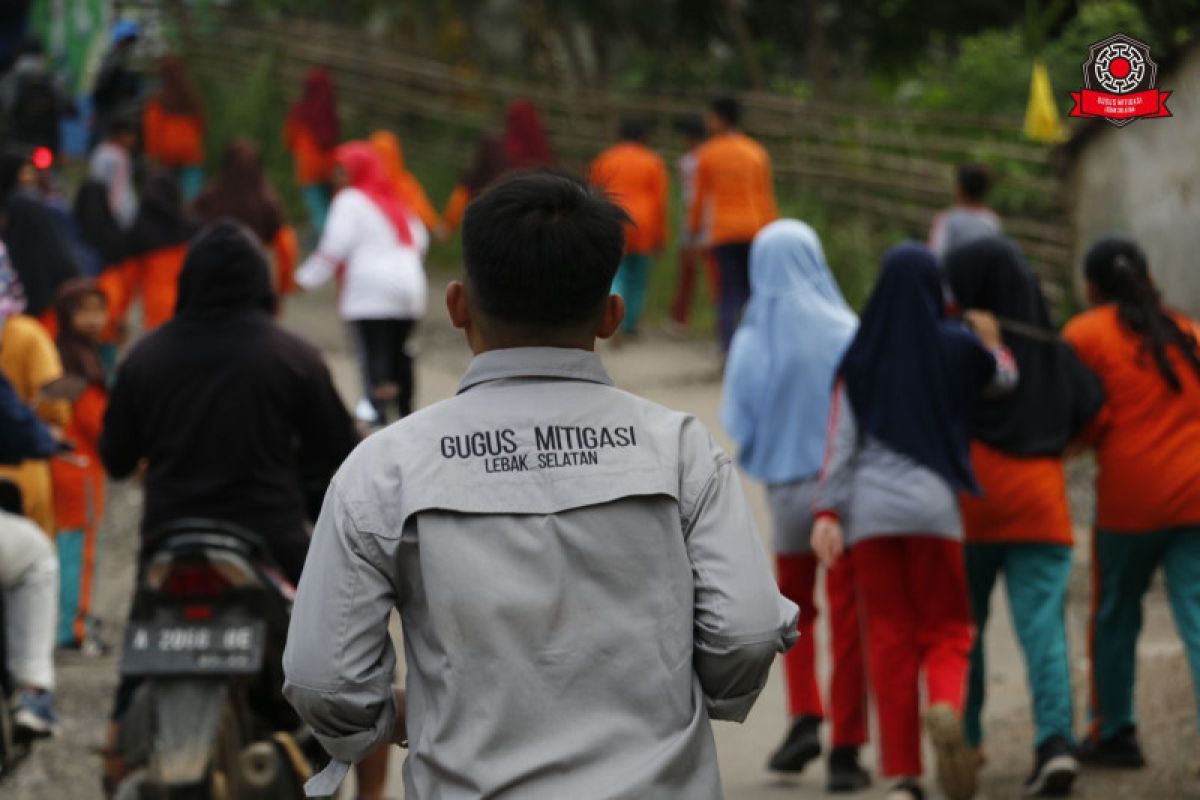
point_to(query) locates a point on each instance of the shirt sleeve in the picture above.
(745, 375)
(741, 620)
(337, 242)
(339, 661)
(44, 367)
(841, 450)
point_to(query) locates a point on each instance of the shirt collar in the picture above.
(535, 362)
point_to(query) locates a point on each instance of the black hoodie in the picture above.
(231, 413)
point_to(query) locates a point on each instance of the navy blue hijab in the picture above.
(911, 375)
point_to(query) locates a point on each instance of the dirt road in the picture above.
(681, 374)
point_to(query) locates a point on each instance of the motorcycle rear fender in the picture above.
(173, 724)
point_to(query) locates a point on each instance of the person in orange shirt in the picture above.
(407, 186)
(78, 479)
(736, 198)
(1147, 444)
(636, 179)
(173, 127)
(311, 133)
(1020, 527)
(154, 250)
(30, 362)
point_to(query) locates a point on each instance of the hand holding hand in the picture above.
(986, 327)
(827, 540)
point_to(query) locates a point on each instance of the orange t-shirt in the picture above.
(174, 140)
(313, 163)
(636, 178)
(79, 477)
(734, 188)
(1024, 499)
(1147, 438)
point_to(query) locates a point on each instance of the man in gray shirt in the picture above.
(579, 580)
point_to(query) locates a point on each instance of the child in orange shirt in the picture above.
(79, 483)
(173, 127)
(311, 133)
(1021, 525)
(1147, 444)
(636, 179)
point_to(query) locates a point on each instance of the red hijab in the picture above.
(316, 109)
(365, 172)
(525, 141)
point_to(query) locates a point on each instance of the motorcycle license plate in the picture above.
(193, 649)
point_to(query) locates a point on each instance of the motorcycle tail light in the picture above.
(194, 579)
(200, 578)
(43, 158)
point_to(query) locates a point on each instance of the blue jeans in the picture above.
(632, 277)
(733, 262)
(1035, 579)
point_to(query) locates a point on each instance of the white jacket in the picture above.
(383, 278)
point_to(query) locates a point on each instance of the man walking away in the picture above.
(735, 195)
(576, 569)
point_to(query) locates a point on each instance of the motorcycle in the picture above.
(204, 646)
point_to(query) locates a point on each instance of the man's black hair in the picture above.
(633, 129)
(727, 108)
(691, 127)
(541, 250)
(974, 181)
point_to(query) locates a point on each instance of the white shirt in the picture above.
(382, 278)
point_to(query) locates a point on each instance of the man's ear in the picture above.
(612, 316)
(457, 305)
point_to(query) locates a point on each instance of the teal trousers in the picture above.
(1124, 564)
(1035, 580)
(632, 278)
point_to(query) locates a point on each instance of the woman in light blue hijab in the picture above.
(775, 406)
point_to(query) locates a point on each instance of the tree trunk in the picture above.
(745, 44)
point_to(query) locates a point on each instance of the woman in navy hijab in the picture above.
(897, 456)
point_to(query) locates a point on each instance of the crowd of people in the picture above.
(914, 454)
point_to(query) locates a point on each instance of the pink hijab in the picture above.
(365, 172)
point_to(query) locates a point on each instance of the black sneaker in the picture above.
(1119, 751)
(802, 745)
(1054, 769)
(845, 774)
(907, 789)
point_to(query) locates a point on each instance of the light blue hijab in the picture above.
(780, 372)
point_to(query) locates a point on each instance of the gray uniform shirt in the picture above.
(878, 491)
(580, 585)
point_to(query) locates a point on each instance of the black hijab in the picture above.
(224, 274)
(96, 223)
(39, 245)
(912, 376)
(1057, 395)
(162, 219)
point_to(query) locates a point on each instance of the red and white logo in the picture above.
(1118, 80)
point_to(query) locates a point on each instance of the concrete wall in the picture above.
(1143, 180)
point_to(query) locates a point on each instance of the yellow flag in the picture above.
(1042, 122)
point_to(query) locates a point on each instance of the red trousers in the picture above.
(912, 594)
(847, 685)
(681, 306)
